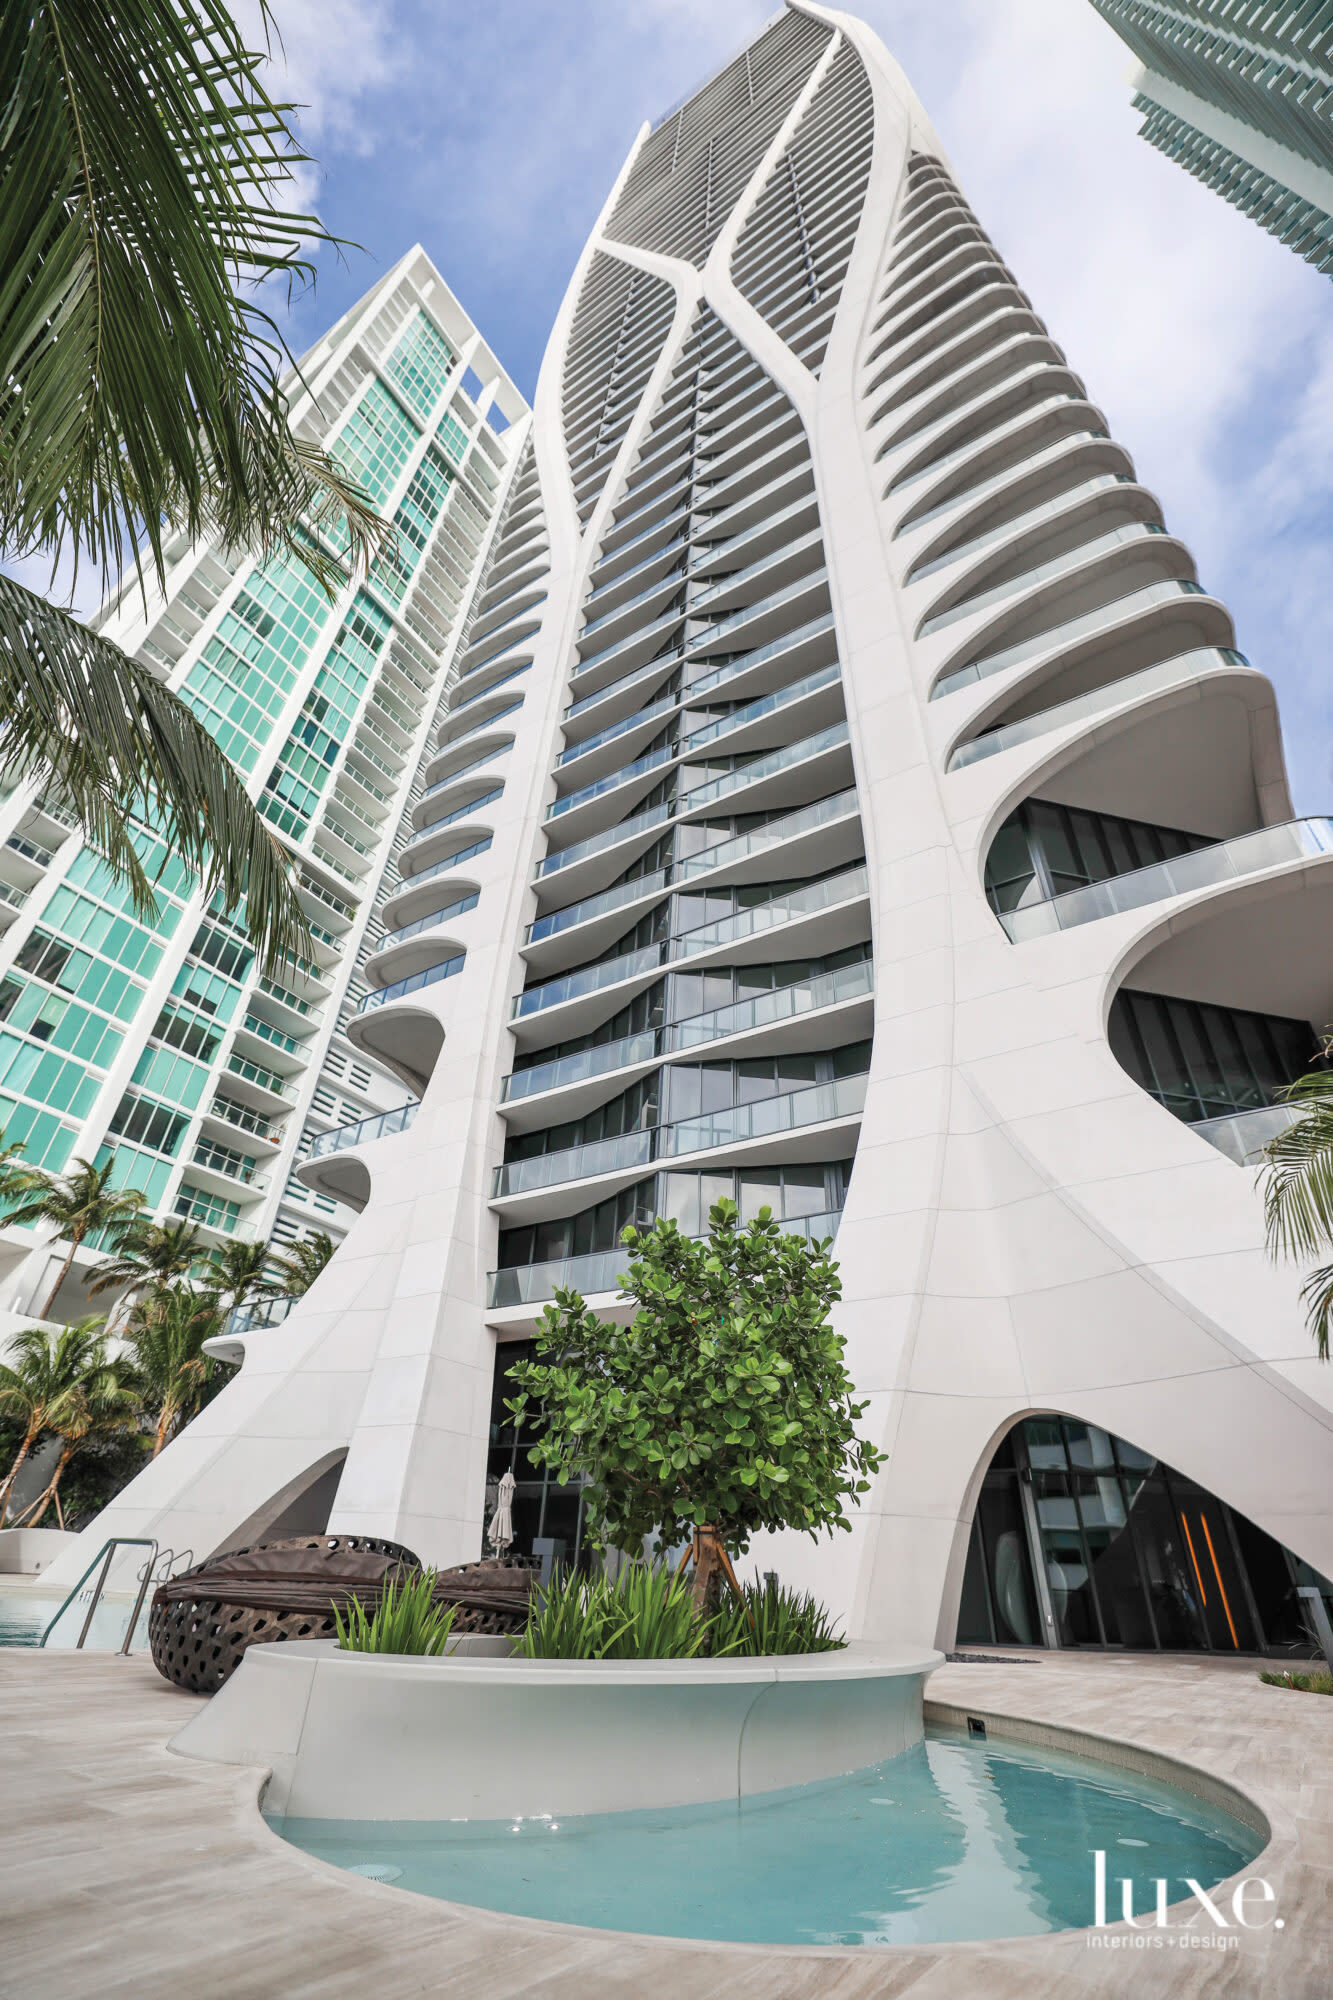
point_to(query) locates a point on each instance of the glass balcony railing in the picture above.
(623, 576)
(1047, 572)
(806, 819)
(602, 1270)
(965, 551)
(1062, 635)
(253, 1072)
(767, 704)
(575, 1163)
(789, 1111)
(479, 694)
(807, 996)
(661, 663)
(1244, 1134)
(671, 580)
(937, 466)
(621, 728)
(741, 579)
(1203, 868)
(597, 906)
(770, 765)
(724, 627)
(476, 805)
(624, 829)
(744, 663)
(430, 923)
(588, 979)
(817, 1105)
(655, 625)
(463, 771)
(972, 494)
(612, 781)
(378, 1127)
(582, 1066)
(429, 977)
(1149, 680)
(468, 853)
(487, 722)
(752, 922)
(788, 827)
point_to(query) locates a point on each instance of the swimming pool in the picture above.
(25, 1615)
(954, 1839)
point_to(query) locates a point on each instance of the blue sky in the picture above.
(492, 134)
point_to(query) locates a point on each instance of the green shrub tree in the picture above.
(722, 1409)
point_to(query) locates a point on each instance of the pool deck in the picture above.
(126, 1870)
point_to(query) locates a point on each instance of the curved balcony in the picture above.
(773, 765)
(462, 811)
(1112, 694)
(735, 851)
(664, 586)
(775, 1010)
(440, 785)
(838, 900)
(724, 630)
(974, 376)
(479, 694)
(326, 1170)
(833, 1103)
(664, 550)
(408, 895)
(1090, 556)
(425, 843)
(400, 988)
(1205, 868)
(601, 1270)
(995, 504)
(966, 429)
(447, 740)
(978, 334)
(1061, 637)
(1066, 513)
(458, 908)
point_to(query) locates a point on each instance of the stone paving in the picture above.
(126, 1870)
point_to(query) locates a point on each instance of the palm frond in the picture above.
(1298, 1174)
(143, 172)
(80, 715)
(1317, 1297)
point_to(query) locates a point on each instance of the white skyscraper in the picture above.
(849, 799)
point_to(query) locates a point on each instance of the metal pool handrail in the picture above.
(103, 1556)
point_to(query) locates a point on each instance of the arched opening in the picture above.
(1080, 1539)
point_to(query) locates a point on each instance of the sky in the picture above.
(492, 133)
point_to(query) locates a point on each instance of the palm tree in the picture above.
(169, 1371)
(40, 1383)
(79, 1204)
(102, 1406)
(150, 1255)
(1298, 1193)
(298, 1270)
(142, 173)
(236, 1273)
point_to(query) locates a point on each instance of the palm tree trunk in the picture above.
(166, 1417)
(74, 1243)
(7, 1485)
(33, 1514)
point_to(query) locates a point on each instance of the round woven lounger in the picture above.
(202, 1621)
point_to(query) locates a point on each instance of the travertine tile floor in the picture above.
(125, 1870)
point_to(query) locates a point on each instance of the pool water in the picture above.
(957, 1838)
(25, 1615)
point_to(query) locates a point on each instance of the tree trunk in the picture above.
(166, 1418)
(708, 1562)
(7, 1484)
(74, 1243)
(32, 1515)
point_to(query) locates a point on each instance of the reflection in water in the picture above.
(954, 1839)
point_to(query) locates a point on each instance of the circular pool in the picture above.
(954, 1838)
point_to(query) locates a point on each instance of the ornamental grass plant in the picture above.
(648, 1613)
(404, 1619)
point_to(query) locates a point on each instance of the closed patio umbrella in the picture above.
(501, 1531)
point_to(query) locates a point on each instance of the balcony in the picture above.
(1204, 868)
(1059, 638)
(400, 987)
(764, 1118)
(429, 923)
(601, 1271)
(366, 1129)
(1063, 565)
(766, 1010)
(773, 764)
(1132, 687)
(1244, 1135)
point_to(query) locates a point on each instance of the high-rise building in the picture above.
(850, 800)
(1240, 94)
(158, 1045)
